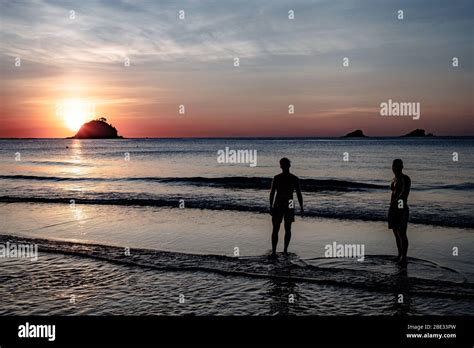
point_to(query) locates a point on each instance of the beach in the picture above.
(200, 229)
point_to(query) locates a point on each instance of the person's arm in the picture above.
(405, 184)
(393, 198)
(272, 195)
(300, 196)
(406, 188)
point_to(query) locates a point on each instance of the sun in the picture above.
(75, 112)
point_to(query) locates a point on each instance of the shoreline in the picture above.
(250, 232)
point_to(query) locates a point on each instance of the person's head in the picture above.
(397, 166)
(285, 164)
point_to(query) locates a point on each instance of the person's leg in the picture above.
(404, 245)
(287, 236)
(399, 245)
(276, 229)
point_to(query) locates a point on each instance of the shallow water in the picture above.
(72, 278)
(199, 231)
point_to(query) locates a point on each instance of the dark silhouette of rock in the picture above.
(97, 129)
(418, 133)
(355, 134)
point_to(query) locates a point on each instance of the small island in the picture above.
(97, 129)
(355, 134)
(418, 133)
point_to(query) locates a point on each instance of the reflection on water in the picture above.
(283, 297)
(102, 288)
(75, 150)
(402, 304)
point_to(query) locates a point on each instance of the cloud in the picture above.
(282, 60)
(148, 32)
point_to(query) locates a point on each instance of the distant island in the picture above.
(418, 133)
(355, 134)
(97, 129)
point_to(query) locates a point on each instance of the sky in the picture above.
(61, 68)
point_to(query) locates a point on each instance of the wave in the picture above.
(59, 163)
(244, 182)
(290, 268)
(233, 182)
(218, 203)
(466, 186)
(308, 185)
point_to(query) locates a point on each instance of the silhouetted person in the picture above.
(398, 212)
(282, 206)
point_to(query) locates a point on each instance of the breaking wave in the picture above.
(237, 182)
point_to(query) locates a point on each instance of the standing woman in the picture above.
(398, 212)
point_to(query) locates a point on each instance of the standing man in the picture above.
(398, 212)
(283, 206)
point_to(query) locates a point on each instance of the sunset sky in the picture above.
(77, 66)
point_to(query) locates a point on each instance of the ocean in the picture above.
(197, 230)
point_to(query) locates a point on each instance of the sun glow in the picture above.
(75, 112)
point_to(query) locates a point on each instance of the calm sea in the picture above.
(346, 179)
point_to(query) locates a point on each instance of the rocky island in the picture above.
(97, 129)
(418, 133)
(355, 134)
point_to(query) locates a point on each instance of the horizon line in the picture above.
(246, 137)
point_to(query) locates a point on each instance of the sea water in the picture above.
(174, 195)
